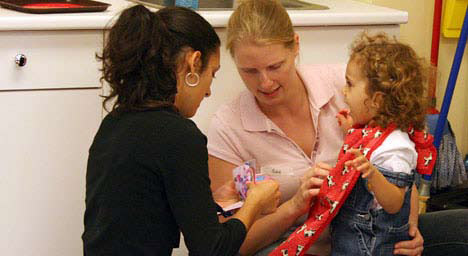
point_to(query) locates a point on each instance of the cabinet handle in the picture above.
(20, 60)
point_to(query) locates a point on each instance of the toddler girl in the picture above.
(384, 91)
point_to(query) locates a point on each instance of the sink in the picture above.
(226, 5)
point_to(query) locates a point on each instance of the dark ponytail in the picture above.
(142, 51)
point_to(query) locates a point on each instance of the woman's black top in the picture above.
(147, 178)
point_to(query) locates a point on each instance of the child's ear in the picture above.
(377, 99)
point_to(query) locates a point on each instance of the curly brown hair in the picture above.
(142, 53)
(394, 69)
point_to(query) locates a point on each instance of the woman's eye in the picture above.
(250, 71)
(276, 66)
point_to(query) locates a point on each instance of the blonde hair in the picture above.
(262, 21)
(394, 69)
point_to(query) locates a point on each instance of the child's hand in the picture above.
(361, 164)
(345, 121)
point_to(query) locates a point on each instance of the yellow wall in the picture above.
(418, 33)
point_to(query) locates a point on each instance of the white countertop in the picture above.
(341, 12)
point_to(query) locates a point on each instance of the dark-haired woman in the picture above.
(147, 175)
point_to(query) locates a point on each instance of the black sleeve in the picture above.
(187, 184)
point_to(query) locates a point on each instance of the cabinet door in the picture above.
(44, 141)
(45, 134)
(51, 59)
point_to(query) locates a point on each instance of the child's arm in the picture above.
(414, 209)
(389, 196)
(345, 121)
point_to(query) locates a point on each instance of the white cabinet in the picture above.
(50, 110)
(55, 59)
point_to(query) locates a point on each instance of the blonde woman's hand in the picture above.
(266, 193)
(413, 247)
(309, 187)
(226, 194)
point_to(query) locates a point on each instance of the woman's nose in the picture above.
(265, 80)
(208, 93)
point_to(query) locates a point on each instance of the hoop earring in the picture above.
(187, 79)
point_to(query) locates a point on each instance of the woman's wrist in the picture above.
(293, 209)
(249, 212)
(253, 204)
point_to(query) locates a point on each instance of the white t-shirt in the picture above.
(396, 154)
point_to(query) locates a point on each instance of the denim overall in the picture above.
(360, 230)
